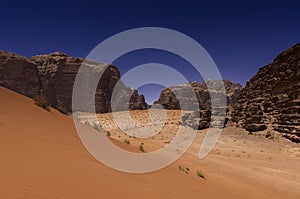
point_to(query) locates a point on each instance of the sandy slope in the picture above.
(41, 156)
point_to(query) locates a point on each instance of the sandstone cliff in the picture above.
(170, 98)
(53, 76)
(271, 99)
(19, 74)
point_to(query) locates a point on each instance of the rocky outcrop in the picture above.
(57, 74)
(198, 120)
(19, 74)
(202, 116)
(169, 100)
(53, 76)
(271, 99)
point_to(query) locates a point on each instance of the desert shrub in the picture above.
(141, 147)
(127, 141)
(200, 174)
(185, 170)
(42, 102)
(62, 109)
(108, 133)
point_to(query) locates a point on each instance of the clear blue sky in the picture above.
(240, 36)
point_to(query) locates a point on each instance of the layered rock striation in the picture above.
(271, 99)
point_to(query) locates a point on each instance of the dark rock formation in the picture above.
(271, 99)
(53, 76)
(19, 74)
(202, 116)
(169, 100)
(57, 74)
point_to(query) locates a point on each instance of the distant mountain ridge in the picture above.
(270, 101)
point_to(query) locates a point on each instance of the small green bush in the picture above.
(127, 141)
(185, 170)
(141, 147)
(200, 174)
(42, 102)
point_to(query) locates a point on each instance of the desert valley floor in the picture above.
(41, 156)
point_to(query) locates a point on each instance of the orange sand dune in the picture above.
(42, 157)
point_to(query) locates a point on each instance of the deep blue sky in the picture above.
(240, 36)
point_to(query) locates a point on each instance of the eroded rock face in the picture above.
(170, 97)
(57, 73)
(196, 97)
(271, 99)
(53, 76)
(19, 74)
